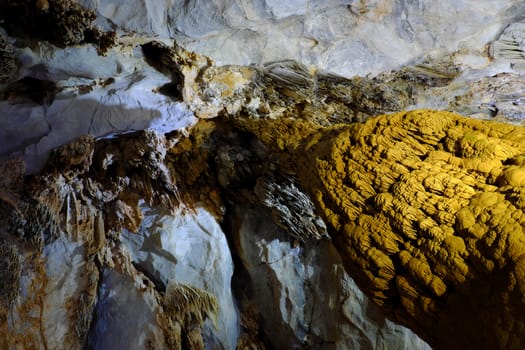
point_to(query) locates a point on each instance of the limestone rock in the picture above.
(48, 296)
(190, 249)
(511, 44)
(426, 212)
(292, 209)
(11, 183)
(125, 315)
(107, 95)
(62, 22)
(423, 210)
(494, 97)
(60, 232)
(344, 37)
(275, 234)
(11, 269)
(317, 305)
(94, 95)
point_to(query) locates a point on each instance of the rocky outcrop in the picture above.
(344, 37)
(426, 211)
(188, 247)
(274, 269)
(63, 260)
(61, 22)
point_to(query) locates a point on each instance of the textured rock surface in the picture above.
(99, 236)
(61, 22)
(427, 214)
(97, 95)
(189, 249)
(61, 235)
(125, 316)
(346, 37)
(307, 315)
(111, 94)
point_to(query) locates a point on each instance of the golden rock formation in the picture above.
(427, 211)
(187, 308)
(424, 207)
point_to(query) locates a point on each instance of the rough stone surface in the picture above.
(97, 95)
(61, 22)
(426, 211)
(107, 95)
(345, 37)
(190, 249)
(124, 318)
(129, 217)
(294, 278)
(70, 276)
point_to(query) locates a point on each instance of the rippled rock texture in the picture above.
(153, 198)
(427, 212)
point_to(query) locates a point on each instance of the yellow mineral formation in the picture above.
(427, 211)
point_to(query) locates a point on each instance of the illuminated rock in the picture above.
(426, 210)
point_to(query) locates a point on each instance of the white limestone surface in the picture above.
(46, 313)
(87, 103)
(348, 37)
(305, 297)
(66, 279)
(189, 248)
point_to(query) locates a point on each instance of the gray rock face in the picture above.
(124, 318)
(98, 95)
(190, 249)
(303, 295)
(347, 37)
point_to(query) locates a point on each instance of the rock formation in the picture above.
(426, 210)
(410, 199)
(64, 206)
(153, 198)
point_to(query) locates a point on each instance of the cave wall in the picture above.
(153, 232)
(347, 37)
